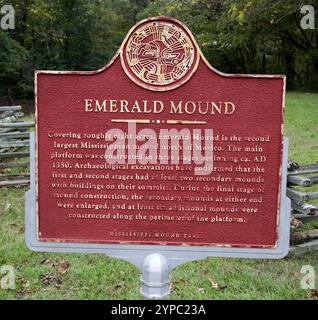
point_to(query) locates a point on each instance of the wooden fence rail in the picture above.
(14, 147)
(304, 204)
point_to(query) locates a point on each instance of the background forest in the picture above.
(237, 36)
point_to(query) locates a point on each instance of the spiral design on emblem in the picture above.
(160, 53)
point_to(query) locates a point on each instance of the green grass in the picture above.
(301, 126)
(78, 276)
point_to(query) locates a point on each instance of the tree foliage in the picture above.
(237, 36)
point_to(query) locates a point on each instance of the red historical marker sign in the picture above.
(108, 143)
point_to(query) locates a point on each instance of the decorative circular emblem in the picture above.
(159, 55)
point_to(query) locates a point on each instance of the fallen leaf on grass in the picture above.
(46, 279)
(48, 262)
(313, 293)
(201, 290)
(223, 286)
(181, 281)
(295, 224)
(214, 284)
(118, 286)
(64, 266)
(51, 279)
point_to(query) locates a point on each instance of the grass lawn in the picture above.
(78, 276)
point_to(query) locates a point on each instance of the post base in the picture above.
(155, 277)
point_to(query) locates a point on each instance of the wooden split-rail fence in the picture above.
(14, 147)
(304, 204)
